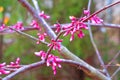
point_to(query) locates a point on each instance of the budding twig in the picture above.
(97, 12)
(24, 68)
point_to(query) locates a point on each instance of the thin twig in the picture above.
(113, 59)
(6, 30)
(97, 12)
(27, 35)
(115, 72)
(95, 46)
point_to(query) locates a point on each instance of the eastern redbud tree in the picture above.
(74, 28)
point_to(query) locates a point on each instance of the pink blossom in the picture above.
(41, 54)
(56, 44)
(58, 27)
(12, 65)
(2, 70)
(81, 34)
(52, 60)
(86, 12)
(15, 64)
(43, 15)
(35, 24)
(41, 37)
(18, 26)
(2, 65)
(2, 27)
(94, 19)
(75, 27)
(73, 19)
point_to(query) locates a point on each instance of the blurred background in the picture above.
(15, 45)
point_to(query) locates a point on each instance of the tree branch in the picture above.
(107, 25)
(23, 69)
(40, 63)
(41, 21)
(92, 71)
(97, 12)
(27, 35)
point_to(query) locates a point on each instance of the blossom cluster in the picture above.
(76, 25)
(2, 70)
(95, 19)
(2, 27)
(15, 64)
(56, 44)
(43, 15)
(35, 24)
(17, 26)
(41, 37)
(52, 60)
(3, 66)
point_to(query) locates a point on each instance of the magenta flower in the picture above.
(2, 27)
(15, 64)
(94, 19)
(41, 54)
(58, 27)
(73, 19)
(56, 44)
(86, 12)
(18, 26)
(35, 25)
(41, 37)
(2, 70)
(75, 26)
(43, 15)
(52, 60)
(2, 65)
